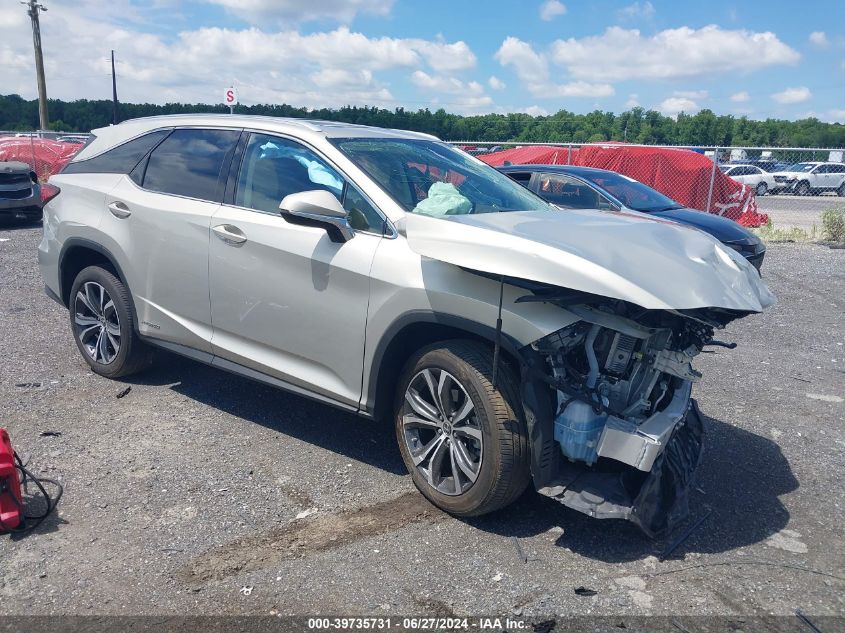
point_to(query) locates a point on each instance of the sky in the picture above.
(758, 59)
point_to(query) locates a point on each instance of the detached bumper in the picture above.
(656, 500)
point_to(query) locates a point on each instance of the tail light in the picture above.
(48, 192)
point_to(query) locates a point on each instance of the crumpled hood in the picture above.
(629, 256)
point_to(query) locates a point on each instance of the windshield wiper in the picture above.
(669, 208)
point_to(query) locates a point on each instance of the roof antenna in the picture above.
(498, 344)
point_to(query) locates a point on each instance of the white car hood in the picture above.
(629, 256)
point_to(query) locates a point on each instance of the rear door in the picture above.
(286, 300)
(160, 215)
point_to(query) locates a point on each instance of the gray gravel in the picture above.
(187, 490)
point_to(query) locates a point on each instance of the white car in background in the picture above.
(811, 178)
(758, 179)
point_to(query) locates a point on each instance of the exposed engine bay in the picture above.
(621, 435)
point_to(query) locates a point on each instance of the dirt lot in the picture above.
(187, 490)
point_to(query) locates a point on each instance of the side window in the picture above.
(522, 177)
(118, 160)
(567, 192)
(188, 163)
(274, 167)
(820, 169)
(753, 171)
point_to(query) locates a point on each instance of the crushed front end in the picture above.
(614, 430)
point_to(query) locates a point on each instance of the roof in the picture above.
(557, 169)
(328, 128)
(113, 135)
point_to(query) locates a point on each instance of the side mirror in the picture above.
(320, 208)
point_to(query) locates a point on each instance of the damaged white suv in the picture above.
(389, 274)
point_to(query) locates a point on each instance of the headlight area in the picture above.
(615, 433)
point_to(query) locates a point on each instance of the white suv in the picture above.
(811, 178)
(392, 275)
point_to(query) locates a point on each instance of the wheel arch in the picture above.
(410, 333)
(79, 253)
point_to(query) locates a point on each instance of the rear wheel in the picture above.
(103, 326)
(762, 188)
(462, 439)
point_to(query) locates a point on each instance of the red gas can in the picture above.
(10, 486)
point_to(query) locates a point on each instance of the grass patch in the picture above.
(770, 233)
(833, 225)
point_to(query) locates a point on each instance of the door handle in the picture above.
(119, 210)
(229, 234)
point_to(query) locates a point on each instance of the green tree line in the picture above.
(636, 125)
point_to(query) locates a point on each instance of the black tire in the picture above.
(132, 354)
(762, 188)
(802, 188)
(841, 190)
(504, 472)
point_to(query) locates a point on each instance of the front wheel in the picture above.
(803, 188)
(102, 324)
(462, 439)
(841, 190)
(762, 188)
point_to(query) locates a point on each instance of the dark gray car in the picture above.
(20, 193)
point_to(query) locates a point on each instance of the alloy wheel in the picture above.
(442, 432)
(96, 322)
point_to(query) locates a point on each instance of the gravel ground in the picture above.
(188, 489)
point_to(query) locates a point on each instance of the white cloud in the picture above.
(741, 97)
(495, 83)
(690, 94)
(296, 11)
(625, 54)
(535, 110)
(836, 115)
(445, 57)
(819, 38)
(792, 95)
(633, 101)
(464, 96)
(675, 105)
(315, 69)
(550, 9)
(635, 11)
(449, 85)
(533, 71)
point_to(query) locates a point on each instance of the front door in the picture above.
(286, 300)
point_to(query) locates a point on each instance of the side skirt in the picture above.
(252, 374)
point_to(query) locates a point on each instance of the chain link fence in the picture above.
(790, 186)
(45, 152)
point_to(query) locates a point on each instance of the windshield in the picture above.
(632, 193)
(432, 178)
(800, 167)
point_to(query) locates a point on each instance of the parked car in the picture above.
(392, 275)
(758, 179)
(766, 164)
(811, 178)
(589, 188)
(20, 193)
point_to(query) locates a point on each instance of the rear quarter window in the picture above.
(118, 160)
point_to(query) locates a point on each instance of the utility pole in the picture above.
(113, 91)
(33, 7)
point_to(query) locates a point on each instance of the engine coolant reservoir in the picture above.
(577, 430)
